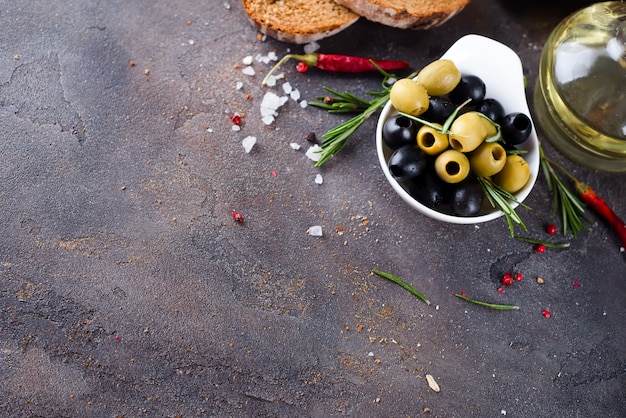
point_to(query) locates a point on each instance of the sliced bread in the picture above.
(298, 21)
(406, 14)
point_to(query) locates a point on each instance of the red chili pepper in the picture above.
(341, 63)
(589, 196)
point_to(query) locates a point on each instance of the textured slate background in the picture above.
(126, 289)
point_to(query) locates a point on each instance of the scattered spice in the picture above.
(432, 383)
(576, 284)
(402, 284)
(495, 306)
(540, 280)
(341, 63)
(546, 313)
(311, 137)
(236, 119)
(302, 67)
(518, 277)
(501, 291)
(507, 279)
(237, 216)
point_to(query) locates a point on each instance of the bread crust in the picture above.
(298, 21)
(406, 14)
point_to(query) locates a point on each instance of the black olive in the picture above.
(470, 87)
(466, 198)
(439, 109)
(429, 189)
(407, 163)
(398, 131)
(516, 128)
(491, 108)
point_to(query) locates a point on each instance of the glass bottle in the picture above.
(580, 96)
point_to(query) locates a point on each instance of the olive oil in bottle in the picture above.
(580, 97)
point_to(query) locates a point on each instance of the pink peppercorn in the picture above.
(302, 67)
(540, 248)
(518, 277)
(507, 279)
(546, 313)
(551, 229)
(237, 217)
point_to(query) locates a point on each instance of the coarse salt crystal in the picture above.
(314, 153)
(295, 95)
(272, 55)
(248, 71)
(311, 47)
(304, 104)
(370, 354)
(287, 87)
(295, 145)
(247, 60)
(191, 42)
(248, 142)
(319, 179)
(271, 81)
(236, 128)
(238, 85)
(315, 231)
(268, 120)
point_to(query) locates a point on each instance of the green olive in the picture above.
(407, 96)
(439, 77)
(514, 175)
(488, 159)
(469, 131)
(452, 166)
(431, 141)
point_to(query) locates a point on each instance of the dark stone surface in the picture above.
(126, 289)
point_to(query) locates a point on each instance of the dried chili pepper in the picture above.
(599, 205)
(341, 63)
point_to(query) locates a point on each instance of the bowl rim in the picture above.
(464, 52)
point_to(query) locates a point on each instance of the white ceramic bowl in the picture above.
(501, 70)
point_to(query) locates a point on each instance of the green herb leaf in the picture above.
(402, 283)
(570, 208)
(495, 306)
(501, 199)
(547, 244)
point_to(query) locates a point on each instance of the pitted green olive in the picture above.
(469, 130)
(432, 141)
(514, 175)
(452, 166)
(488, 159)
(407, 96)
(439, 77)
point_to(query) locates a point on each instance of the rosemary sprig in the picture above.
(570, 208)
(402, 283)
(496, 306)
(545, 243)
(336, 138)
(501, 199)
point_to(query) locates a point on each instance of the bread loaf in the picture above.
(406, 14)
(298, 21)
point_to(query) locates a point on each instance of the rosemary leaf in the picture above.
(570, 208)
(402, 284)
(547, 244)
(500, 199)
(495, 306)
